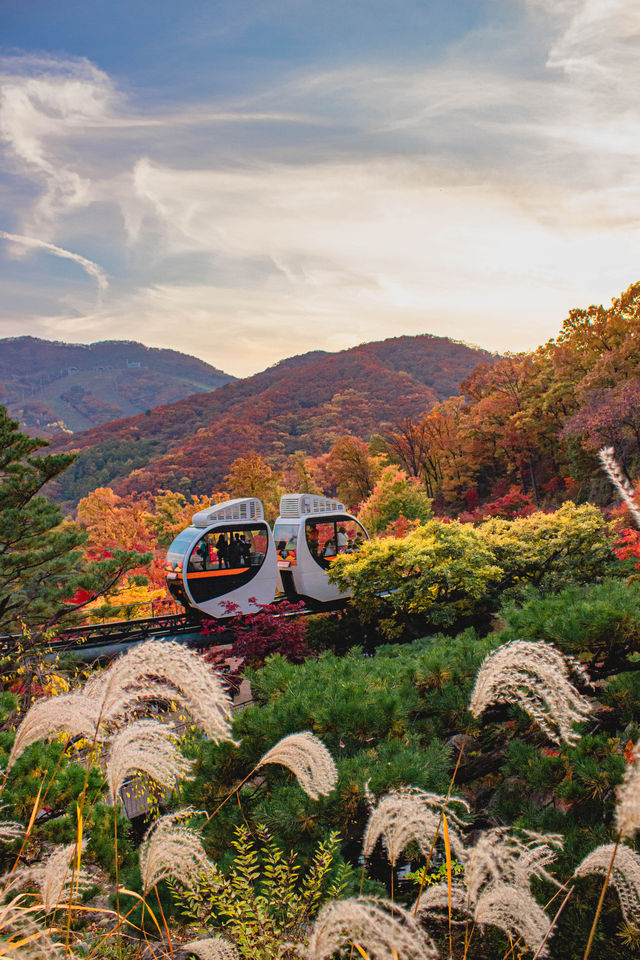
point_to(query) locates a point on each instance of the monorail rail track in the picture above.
(97, 641)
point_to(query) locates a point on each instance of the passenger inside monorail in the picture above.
(327, 539)
(234, 549)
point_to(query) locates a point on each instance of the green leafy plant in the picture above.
(263, 900)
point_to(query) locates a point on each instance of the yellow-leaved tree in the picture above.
(448, 574)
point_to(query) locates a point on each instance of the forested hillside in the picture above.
(52, 386)
(305, 403)
(535, 421)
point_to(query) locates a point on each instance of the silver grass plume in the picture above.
(170, 671)
(52, 877)
(171, 849)
(628, 797)
(535, 677)
(308, 758)
(407, 814)
(10, 830)
(435, 899)
(625, 876)
(72, 713)
(18, 926)
(618, 479)
(514, 910)
(55, 878)
(501, 857)
(381, 928)
(145, 746)
(213, 948)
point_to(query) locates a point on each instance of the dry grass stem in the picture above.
(22, 937)
(408, 814)
(166, 671)
(213, 948)
(308, 758)
(618, 479)
(628, 797)
(514, 911)
(535, 677)
(72, 713)
(501, 857)
(171, 849)
(625, 876)
(145, 746)
(383, 930)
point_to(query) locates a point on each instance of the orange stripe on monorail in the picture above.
(217, 573)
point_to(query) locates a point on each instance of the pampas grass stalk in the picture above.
(514, 911)
(167, 671)
(10, 830)
(306, 756)
(51, 877)
(624, 876)
(410, 815)
(72, 713)
(376, 927)
(444, 807)
(436, 898)
(535, 677)
(628, 821)
(22, 937)
(145, 746)
(596, 917)
(172, 849)
(613, 470)
(542, 946)
(213, 948)
(499, 856)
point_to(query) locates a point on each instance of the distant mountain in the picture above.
(52, 386)
(303, 403)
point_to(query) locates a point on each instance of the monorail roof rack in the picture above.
(244, 508)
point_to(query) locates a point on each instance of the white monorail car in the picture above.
(309, 534)
(226, 556)
(229, 555)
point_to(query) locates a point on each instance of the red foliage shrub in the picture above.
(275, 628)
(512, 504)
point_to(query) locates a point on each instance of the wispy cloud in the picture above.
(33, 244)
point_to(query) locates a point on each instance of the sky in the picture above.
(245, 181)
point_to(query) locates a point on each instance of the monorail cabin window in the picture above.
(286, 539)
(229, 549)
(327, 539)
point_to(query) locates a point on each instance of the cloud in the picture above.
(479, 194)
(89, 266)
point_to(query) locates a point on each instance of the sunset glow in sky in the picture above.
(244, 181)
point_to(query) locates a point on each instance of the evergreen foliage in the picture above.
(598, 622)
(42, 563)
(383, 718)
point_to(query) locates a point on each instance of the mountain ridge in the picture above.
(52, 386)
(303, 403)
